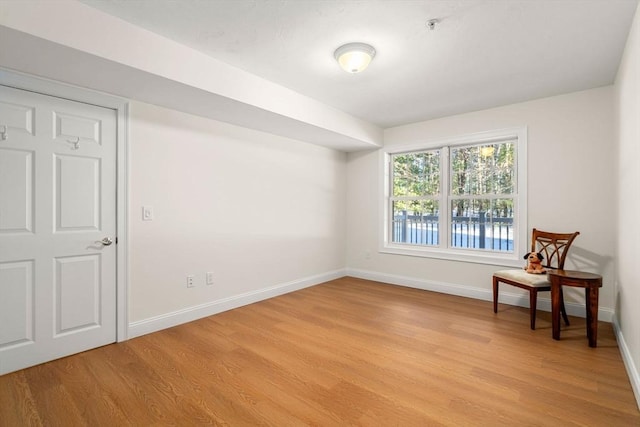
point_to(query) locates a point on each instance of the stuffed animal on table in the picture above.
(534, 263)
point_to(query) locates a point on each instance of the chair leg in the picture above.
(562, 309)
(495, 294)
(533, 303)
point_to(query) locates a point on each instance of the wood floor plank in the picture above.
(85, 386)
(51, 397)
(17, 405)
(347, 352)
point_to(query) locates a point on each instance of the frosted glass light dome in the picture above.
(354, 57)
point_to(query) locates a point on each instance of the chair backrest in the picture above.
(553, 246)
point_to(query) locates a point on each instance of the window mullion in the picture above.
(445, 191)
(400, 198)
(389, 205)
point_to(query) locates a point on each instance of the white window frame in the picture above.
(443, 251)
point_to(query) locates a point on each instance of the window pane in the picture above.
(482, 224)
(500, 225)
(416, 174)
(415, 222)
(483, 169)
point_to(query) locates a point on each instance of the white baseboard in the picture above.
(573, 309)
(189, 314)
(630, 366)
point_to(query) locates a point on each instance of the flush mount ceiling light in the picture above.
(354, 57)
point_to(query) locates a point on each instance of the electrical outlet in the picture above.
(367, 254)
(209, 278)
(190, 282)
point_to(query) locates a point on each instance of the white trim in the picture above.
(122, 194)
(189, 314)
(627, 359)
(520, 300)
(74, 93)
(454, 255)
(467, 139)
(494, 258)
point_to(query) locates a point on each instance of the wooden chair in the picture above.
(554, 248)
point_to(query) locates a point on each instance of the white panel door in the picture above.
(57, 217)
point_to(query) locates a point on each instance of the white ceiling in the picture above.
(482, 53)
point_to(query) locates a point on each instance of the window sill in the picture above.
(507, 260)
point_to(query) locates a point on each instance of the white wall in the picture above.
(114, 56)
(627, 291)
(571, 187)
(256, 209)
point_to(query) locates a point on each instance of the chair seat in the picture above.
(524, 278)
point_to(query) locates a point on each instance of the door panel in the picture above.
(76, 127)
(16, 188)
(17, 117)
(57, 202)
(77, 192)
(77, 278)
(16, 305)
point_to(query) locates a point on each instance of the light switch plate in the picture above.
(147, 213)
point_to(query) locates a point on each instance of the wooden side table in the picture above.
(591, 284)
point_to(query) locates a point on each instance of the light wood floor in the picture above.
(347, 352)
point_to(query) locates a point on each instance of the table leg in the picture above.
(591, 299)
(555, 308)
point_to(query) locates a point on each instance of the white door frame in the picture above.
(121, 105)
